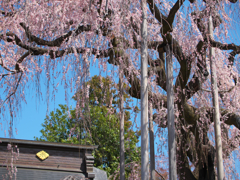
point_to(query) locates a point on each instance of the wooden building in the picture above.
(46, 160)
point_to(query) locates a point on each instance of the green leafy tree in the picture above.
(101, 128)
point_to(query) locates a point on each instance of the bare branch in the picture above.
(20, 60)
(58, 41)
(8, 74)
(17, 68)
(232, 1)
(231, 118)
(12, 92)
(172, 14)
(7, 14)
(156, 12)
(5, 67)
(158, 67)
(224, 46)
(223, 91)
(17, 40)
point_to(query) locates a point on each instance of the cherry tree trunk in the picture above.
(217, 127)
(122, 157)
(170, 116)
(144, 96)
(152, 153)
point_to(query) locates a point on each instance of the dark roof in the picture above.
(45, 143)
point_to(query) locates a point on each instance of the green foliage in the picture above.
(102, 128)
(60, 127)
(103, 92)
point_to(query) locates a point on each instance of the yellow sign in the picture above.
(42, 155)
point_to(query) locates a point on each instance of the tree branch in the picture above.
(7, 14)
(13, 91)
(158, 67)
(224, 46)
(156, 12)
(5, 67)
(223, 91)
(231, 118)
(58, 41)
(172, 14)
(17, 68)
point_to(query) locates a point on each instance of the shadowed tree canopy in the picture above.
(100, 126)
(62, 39)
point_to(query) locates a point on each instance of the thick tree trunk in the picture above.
(206, 170)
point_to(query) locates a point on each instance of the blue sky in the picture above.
(28, 123)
